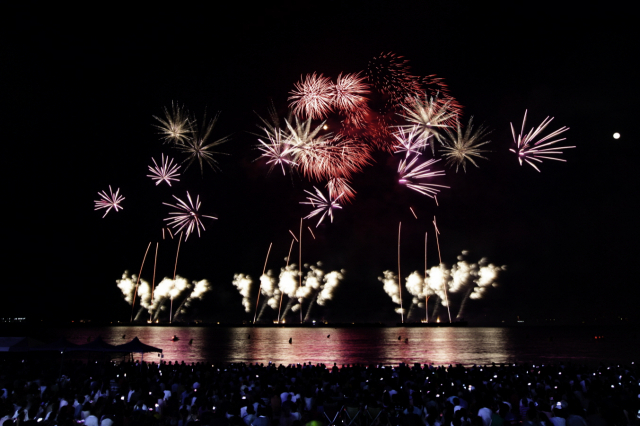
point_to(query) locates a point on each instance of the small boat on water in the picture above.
(175, 338)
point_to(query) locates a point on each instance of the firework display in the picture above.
(336, 128)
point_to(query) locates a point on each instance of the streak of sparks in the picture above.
(312, 97)
(110, 201)
(198, 148)
(309, 228)
(175, 126)
(462, 146)
(294, 237)
(529, 151)
(411, 173)
(414, 213)
(188, 217)
(322, 205)
(167, 171)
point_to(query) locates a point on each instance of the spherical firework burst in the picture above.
(166, 172)
(197, 147)
(176, 126)
(412, 174)
(312, 97)
(188, 217)
(349, 91)
(462, 146)
(110, 201)
(530, 150)
(322, 204)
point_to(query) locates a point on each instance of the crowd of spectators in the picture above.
(46, 392)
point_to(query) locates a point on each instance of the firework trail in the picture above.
(188, 218)
(411, 173)
(243, 283)
(264, 268)
(322, 205)
(111, 201)
(462, 146)
(197, 147)
(166, 172)
(139, 274)
(312, 97)
(529, 151)
(176, 126)
(429, 117)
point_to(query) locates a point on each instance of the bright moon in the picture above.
(616, 135)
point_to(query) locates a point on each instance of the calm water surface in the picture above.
(374, 345)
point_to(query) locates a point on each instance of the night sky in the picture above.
(80, 89)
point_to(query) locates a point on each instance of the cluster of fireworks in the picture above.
(169, 292)
(471, 280)
(308, 286)
(385, 108)
(330, 134)
(181, 131)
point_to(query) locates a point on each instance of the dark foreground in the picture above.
(41, 391)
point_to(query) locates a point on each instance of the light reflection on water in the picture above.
(369, 345)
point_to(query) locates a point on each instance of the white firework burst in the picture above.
(175, 126)
(198, 148)
(188, 217)
(109, 201)
(413, 174)
(411, 141)
(529, 150)
(167, 171)
(312, 97)
(323, 205)
(462, 146)
(429, 117)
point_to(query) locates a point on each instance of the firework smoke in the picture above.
(316, 288)
(472, 278)
(243, 283)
